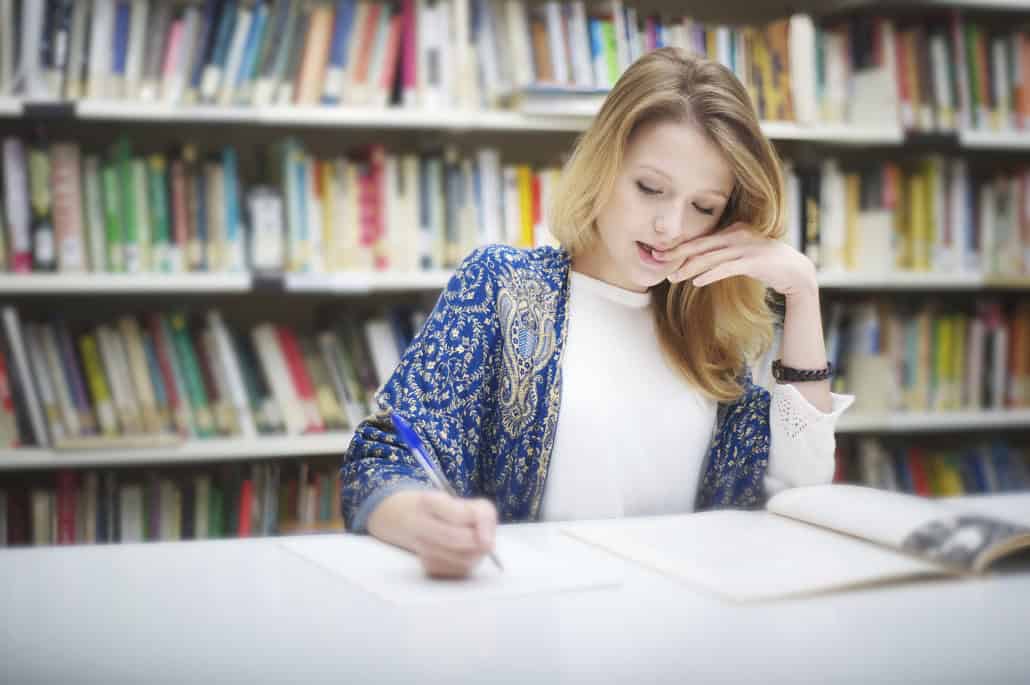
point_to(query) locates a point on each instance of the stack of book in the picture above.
(939, 71)
(197, 503)
(977, 468)
(159, 378)
(370, 209)
(928, 358)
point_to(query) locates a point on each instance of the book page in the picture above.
(881, 516)
(749, 555)
(396, 576)
(915, 525)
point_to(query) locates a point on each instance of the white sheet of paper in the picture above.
(748, 555)
(396, 576)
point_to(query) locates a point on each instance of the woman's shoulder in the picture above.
(502, 263)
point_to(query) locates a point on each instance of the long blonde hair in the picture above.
(709, 333)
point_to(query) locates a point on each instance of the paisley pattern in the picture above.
(481, 384)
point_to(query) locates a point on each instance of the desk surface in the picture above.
(249, 611)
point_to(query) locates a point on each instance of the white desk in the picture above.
(249, 611)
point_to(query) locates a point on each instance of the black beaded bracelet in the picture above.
(788, 374)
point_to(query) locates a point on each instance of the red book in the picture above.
(179, 206)
(164, 363)
(376, 204)
(65, 507)
(920, 475)
(409, 46)
(301, 380)
(391, 54)
(246, 495)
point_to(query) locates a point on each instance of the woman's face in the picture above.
(673, 186)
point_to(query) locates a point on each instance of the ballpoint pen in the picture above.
(414, 444)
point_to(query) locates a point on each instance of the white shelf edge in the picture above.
(843, 134)
(989, 140)
(367, 282)
(899, 280)
(359, 282)
(571, 119)
(942, 421)
(193, 451)
(124, 283)
(10, 106)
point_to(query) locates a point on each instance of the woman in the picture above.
(611, 377)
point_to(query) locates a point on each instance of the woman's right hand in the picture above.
(449, 535)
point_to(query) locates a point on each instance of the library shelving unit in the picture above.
(297, 296)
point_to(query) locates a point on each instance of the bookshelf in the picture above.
(934, 422)
(466, 115)
(188, 452)
(122, 284)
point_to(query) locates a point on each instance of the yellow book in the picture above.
(852, 188)
(902, 233)
(330, 212)
(98, 384)
(525, 181)
(960, 326)
(933, 183)
(133, 341)
(917, 222)
(948, 479)
(942, 361)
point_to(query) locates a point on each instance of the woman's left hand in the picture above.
(739, 251)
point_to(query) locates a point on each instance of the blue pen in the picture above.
(414, 444)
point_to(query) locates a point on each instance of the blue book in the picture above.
(900, 462)
(343, 18)
(121, 37)
(424, 214)
(597, 58)
(250, 48)
(160, 394)
(300, 170)
(208, 31)
(230, 186)
(214, 70)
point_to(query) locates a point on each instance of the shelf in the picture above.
(939, 421)
(995, 140)
(899, 280)
(36, 283)
(194, 451)
(573, 119)
(367, 282)
(10, 106)
(358, 282)
(837, 134)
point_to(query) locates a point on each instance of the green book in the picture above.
(191, 370)
(215, 512)
(113, 218)
(973, 64)
(122, 157)
(611, 54)
(141, 205)
(157, 195)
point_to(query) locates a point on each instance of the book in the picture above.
(812, 540)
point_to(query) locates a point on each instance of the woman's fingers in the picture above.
(451, 534)
(701, 263)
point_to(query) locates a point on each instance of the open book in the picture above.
(815, 539)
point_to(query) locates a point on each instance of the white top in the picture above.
(633, 433)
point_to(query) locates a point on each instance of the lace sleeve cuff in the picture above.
(802, 441)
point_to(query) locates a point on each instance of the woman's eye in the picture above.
(647, 190)
(704, 210)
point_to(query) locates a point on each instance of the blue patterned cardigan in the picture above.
(481, 384)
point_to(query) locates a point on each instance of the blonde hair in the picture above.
(709, 333)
